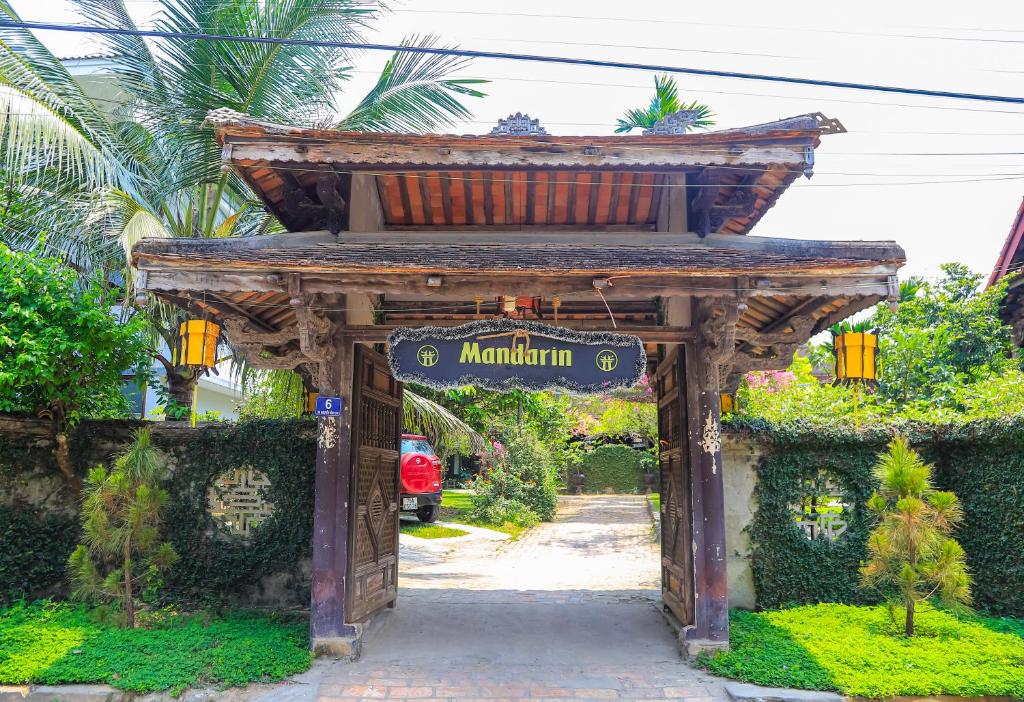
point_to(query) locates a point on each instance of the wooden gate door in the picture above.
(376, 456)
(677, 581)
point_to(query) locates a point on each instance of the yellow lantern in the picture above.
(727, 403)
(311, 402)
(856, 357)
(199, 343)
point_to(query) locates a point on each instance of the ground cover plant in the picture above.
(430, 531)
(861, 651)
(50, 643)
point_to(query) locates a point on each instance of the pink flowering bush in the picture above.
(770, 381)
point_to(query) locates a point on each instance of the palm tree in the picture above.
(665, 102)
(98, 179)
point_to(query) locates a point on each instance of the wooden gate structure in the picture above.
(644, 234)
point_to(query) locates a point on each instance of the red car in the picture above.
(421, 478)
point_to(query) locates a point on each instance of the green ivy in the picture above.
(34, 557)
(215, 564)
(613, 467)
(982, 462)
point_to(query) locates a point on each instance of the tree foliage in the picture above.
(62, 351)
(947, 335)
(100, 177)
(912, 556)
(121, 516)
(944, 356)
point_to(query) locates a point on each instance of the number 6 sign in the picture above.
(328, 407)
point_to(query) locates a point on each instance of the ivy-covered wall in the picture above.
(39, 523)
(613, 468)
(982, 462)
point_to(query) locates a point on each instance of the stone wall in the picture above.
(740, 455)
(30, 476)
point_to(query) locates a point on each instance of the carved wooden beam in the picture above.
(259, 356)
(316, 340)
(740, 204)
(332, 193)
(240, 332)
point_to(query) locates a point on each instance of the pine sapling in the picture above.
(911, 555)
(122, 551)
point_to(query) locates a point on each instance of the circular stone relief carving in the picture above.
(237, 500)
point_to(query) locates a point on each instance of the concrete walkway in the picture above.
(569, 610)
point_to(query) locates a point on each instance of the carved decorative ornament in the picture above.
(236, 500)
(328, 438)
(519, 125)
(711, 440)
(674, 123)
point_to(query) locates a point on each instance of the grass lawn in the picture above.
(430, 531)
(656, 501)
(455, 507)
(53, 644)
(860, 651)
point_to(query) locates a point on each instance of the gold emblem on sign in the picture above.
(607, 360)
(427, 355)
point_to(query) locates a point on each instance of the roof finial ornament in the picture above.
(519, 125)
(678, 122)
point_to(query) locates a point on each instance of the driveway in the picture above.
(569, 610)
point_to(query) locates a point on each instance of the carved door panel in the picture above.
(376, 455)
(677, 584)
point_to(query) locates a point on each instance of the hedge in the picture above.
(982, 462)
(613, 467)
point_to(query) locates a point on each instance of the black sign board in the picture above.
(505, 354)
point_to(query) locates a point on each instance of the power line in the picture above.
(536, 58)
(647, 88)
(646, 20)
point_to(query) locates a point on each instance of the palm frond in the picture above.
(413, 94)
(447, 433)
(29, 70)
(291, 84)
(664, 102)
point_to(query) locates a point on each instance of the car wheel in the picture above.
(428, 513)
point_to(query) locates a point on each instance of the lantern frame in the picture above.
(199, 341)
(727, 403)
(856, 357)
(310, 407)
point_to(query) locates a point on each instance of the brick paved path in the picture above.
(568, 611)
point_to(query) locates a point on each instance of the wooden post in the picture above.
(711, 602)
(330, 635)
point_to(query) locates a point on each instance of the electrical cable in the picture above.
(535, 58)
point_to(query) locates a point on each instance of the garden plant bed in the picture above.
(57, 644)
(861, 652)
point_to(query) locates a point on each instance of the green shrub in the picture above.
(501, 510)
(613, 467)
(524, 474)
(62, 350)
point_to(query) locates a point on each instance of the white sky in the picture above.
(855, 193)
